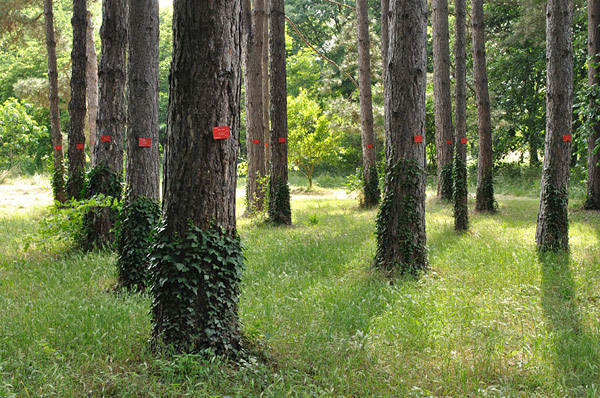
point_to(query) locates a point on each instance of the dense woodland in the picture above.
(325, 198)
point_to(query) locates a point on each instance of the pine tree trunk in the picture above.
(553, 219)
(77, 103)
(484, 200)
(371, 187)
(401, 235)
(58, 177)
(279, 200)
(255, 144)
(385, 41)
(442, 98)
(92, 85)
(265, 86)
(141, 210)
(593, 181)
(197, 257)
(461, 209)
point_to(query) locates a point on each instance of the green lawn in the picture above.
(491, 317)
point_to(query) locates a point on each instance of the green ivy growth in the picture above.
(485, 194)
(74, 184)
(447, 183)
(136, 224)
(461, 209)
(556, 234)
(371, 188)
(398, 248)
(58, 183)
(101, 179)
(195, 282)
(280, 211)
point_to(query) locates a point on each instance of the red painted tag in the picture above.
(256, 141)
(463, 140)
(145, 142)
(105, 138)
(567, 138)
(449, 142)
(370, 146)
(418, 138)
(281, 140)
(266, 144)
(221, 132)
(79, 146)
(58, 147)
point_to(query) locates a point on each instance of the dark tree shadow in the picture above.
(576, 352)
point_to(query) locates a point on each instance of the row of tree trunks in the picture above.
(593, 181)
(442, 98)
(77, 108)
(58, 183)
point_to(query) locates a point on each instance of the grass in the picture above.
(491, 317)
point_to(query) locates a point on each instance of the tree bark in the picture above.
(461, 209)
(593, 180)
(200, 181)
(371, 187)
(385, 41)
(92, 85)
(401, 235)
(279, 201)
(553, 219)
(77, 103)
(58, 177)
(253, 25)
(485, 189)
(265, 85)
(442, 98)
(111, 114)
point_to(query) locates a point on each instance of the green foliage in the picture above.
(447, 182)
(280, 211)
(58, 181)
(371, 188)
(460, 194)
(485, 194)
(136, 224)
(23, 143)
(195, 282)
(587, 110)
(74, 185)
(555, 236)
(102, 180)
(397, 249)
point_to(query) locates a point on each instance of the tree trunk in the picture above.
(553, 219)
(197, 260)
(141, 209)
(265, 86)
(58, 177)
(92, 85)
(461, 209)
(253, 24)
(385, 41)
(77, 103)
(371, 187)
(401, 235)
(485, 187)
(442, 98)
(593, 181)
(279, 202)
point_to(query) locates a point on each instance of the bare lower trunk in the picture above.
(77, 103)
(58, 177)
(485, 188)
(279, 200)
(401, 235)
(553, 220)
(385, 41)
(442, 98)
(265, 86)
(593, 180)
(92, 85)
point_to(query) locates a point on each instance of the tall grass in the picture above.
(490, 318)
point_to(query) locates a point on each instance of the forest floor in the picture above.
(490, 318)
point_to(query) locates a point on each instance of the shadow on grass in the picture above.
(576, 352)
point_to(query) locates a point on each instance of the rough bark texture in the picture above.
(111, 114)
(279, 203)
(593, 181)
(265, 85)
(442, 98)
(92, 85)
(485, 190)
(142, 100)
(461, 213)
(385, 41)
(200, 181)
(58, 179)
(253, 39)
(77, 103)
(553, 221)
(401, 235)
(371, 197)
